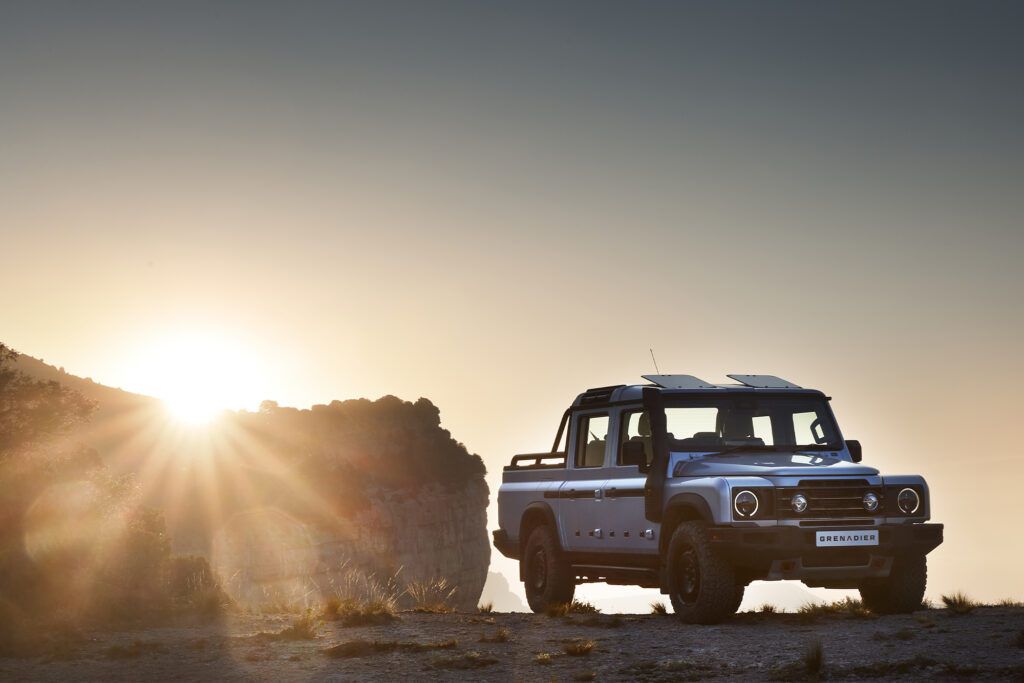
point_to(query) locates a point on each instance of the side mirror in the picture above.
(633, 453)
(855, 451)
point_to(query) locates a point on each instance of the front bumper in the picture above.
(788, 552)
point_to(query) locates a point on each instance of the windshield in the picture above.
(767, 421)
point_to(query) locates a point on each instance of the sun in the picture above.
(198, 375)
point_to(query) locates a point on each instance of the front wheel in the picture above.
(900, 592)
(701, 583)
(547, 575)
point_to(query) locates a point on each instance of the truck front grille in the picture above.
(828, 499)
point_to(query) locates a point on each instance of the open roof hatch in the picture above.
(678, 381)
(764, 381)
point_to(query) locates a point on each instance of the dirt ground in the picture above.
(987, 643)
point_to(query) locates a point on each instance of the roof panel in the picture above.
(764, 381)
(678, 381)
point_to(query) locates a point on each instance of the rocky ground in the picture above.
(986, 643)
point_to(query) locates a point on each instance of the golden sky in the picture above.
(497, 206)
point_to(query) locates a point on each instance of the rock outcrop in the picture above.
(268, 558)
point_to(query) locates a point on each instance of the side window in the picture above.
(591, 439)
(636, 426)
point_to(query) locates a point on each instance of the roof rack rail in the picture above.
(599, 394)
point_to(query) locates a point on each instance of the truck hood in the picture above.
(765, 464)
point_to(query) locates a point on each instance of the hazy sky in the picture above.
(497, 205)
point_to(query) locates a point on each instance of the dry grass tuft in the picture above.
(304, 628)
(958, 603)
(542, 658)
(433, 595)
(578, 648)
(767, 608)
(659, 609)
(501, 635)
(1009, 602)
(814, 658)
(847, 607)
(578, 607)
(560, 609)
(352, 612)
(556, 609)
(486, 608)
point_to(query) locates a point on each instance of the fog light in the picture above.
(909, 501)
(870, 501)
(799, 503)
(745, 504)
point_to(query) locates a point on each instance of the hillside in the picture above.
(288, 503)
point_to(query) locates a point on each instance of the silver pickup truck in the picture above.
(699, 489)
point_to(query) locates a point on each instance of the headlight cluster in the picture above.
(905, 500)
(745, 503)
(909, 501)
(753, 502)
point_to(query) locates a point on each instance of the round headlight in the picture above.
(745, 504)
(909, 501)
(799, 502)
(870, 501)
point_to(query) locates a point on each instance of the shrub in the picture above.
(659, 608)
(958, 603)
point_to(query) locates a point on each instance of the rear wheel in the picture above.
(701, 583)
(901, 591)
(547, 575)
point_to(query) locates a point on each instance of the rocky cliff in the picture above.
(268, 558)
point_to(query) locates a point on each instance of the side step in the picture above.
(616, 576)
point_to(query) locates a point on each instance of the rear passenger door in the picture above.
(582, 495)
(628, 529)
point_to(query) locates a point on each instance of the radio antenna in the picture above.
(655, 361)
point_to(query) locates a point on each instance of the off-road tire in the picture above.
(900, 592)
(547, 575)
(701, 583)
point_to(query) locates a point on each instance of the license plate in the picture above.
(831, 539)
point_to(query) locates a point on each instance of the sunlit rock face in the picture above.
(358, 499)
(268, 559)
